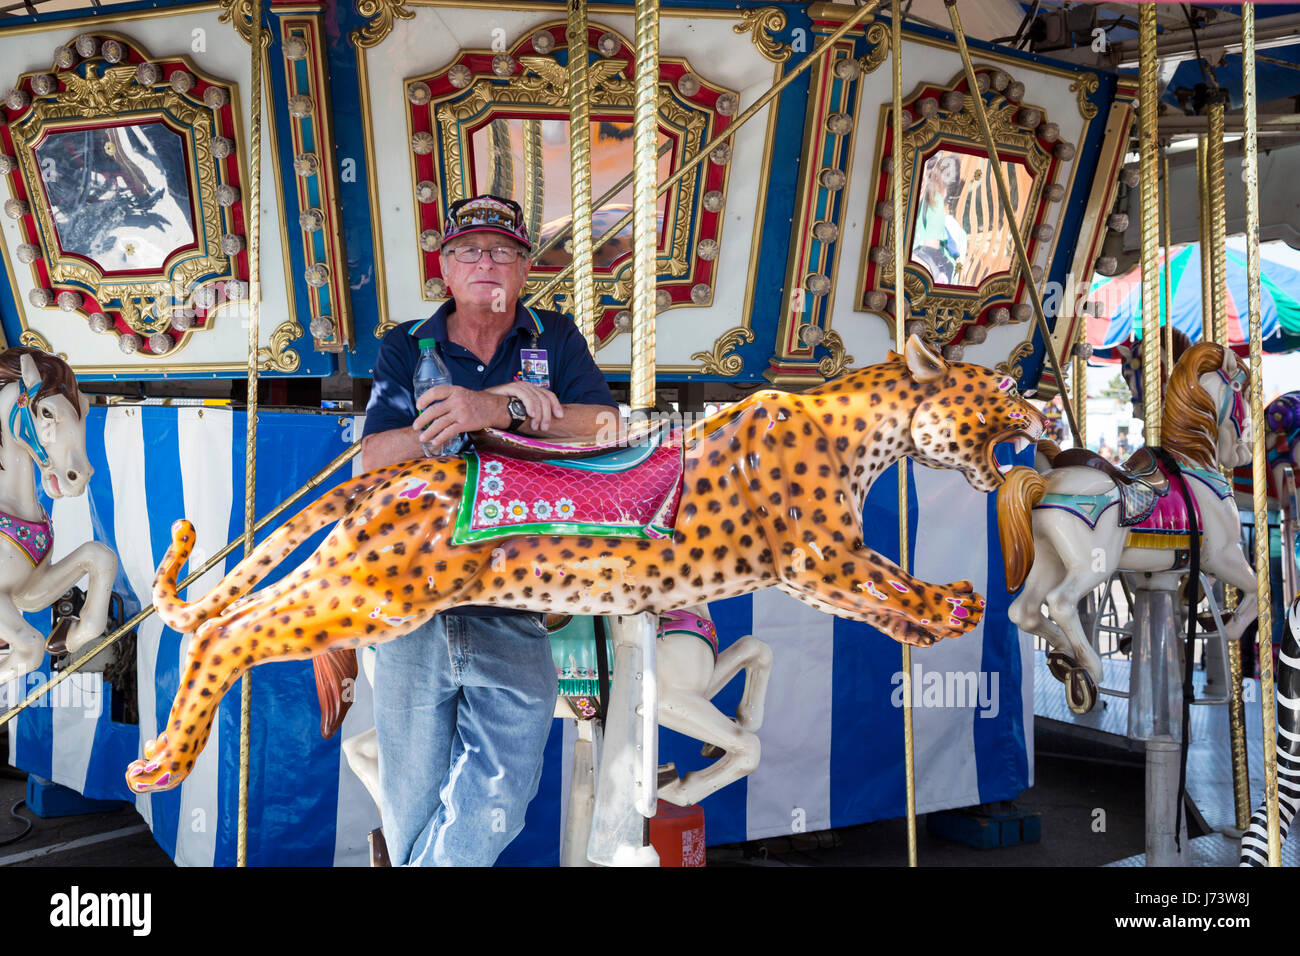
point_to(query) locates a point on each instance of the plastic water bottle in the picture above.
(429, 372)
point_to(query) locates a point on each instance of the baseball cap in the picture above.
(486, 214)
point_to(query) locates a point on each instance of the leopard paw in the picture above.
(147, 775)
(962, 608)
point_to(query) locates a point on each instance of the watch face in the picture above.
(518, 410)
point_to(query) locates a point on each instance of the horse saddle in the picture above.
(1140, 481)
(628, 487)
(573, 651)
(527, 448)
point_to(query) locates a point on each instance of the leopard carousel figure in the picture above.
(770, 492)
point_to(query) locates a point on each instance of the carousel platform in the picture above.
(1209, 759)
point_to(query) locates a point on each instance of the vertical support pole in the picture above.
(1081, 384)
(534, 185)
(1218, 223)
(584, 279)
(1203, 223)
(250, 447)
(900, 338)
(1148, 150)
(582, 798)
(1155, 711)
(1215, 323)
(1250, 174)
(645, 140)
(626, 789)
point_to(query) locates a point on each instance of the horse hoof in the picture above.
(1081, 691)
(1060, 665)
(711, 750)
(58, 640)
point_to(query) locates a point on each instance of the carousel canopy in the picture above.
(1120, 321)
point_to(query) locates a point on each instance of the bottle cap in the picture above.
(427, 344)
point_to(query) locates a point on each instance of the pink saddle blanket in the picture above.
(1170, 513)
(629, 493)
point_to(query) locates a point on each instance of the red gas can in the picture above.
(677, 834)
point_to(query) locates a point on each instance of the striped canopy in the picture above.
(1120, 321)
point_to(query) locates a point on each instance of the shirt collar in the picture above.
(435, 326)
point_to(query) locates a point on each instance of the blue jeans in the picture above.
(463, 707)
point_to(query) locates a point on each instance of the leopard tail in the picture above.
(1020, 491)
(187, 617)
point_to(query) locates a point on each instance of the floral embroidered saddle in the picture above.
(33, 538)
(629, 492)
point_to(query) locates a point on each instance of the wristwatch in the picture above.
(518, 414)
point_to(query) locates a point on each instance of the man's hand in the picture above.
(541, 404)
(449, 410)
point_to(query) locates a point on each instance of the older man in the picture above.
(463, 704)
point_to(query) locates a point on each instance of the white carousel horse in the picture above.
(1254, 842)
(691, 671)
(1092, 521)
(42, 421)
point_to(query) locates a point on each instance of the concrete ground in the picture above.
(1068, 793)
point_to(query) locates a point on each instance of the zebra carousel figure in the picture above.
(1254, 843)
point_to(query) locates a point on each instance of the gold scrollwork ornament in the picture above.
(878, 37)
(834, 364)
(381, 14)
(279, 357)
(1012, 366)
(239, 14)
(759, 24)
(718, 362)
(1084, 87)
(33, 339)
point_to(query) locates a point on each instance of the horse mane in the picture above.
(1187, 426)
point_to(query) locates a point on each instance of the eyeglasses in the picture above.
(501, 255)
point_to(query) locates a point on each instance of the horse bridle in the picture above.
(23, 426)
(1232, 403)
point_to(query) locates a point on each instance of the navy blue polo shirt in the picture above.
(575, 378)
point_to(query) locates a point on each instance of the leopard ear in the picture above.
(925, 365)
(893, 356)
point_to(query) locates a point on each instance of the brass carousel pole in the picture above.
(1148, 150)
(250, 449)
(900, 338)
(1216, 232)
(1264, 623)
(1081, 384)
(1203, 231)
(1000, 177)
(859, 15)
(584, 278)
(645, 140)
(1217, 202)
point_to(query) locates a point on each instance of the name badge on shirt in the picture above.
(534, 367)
